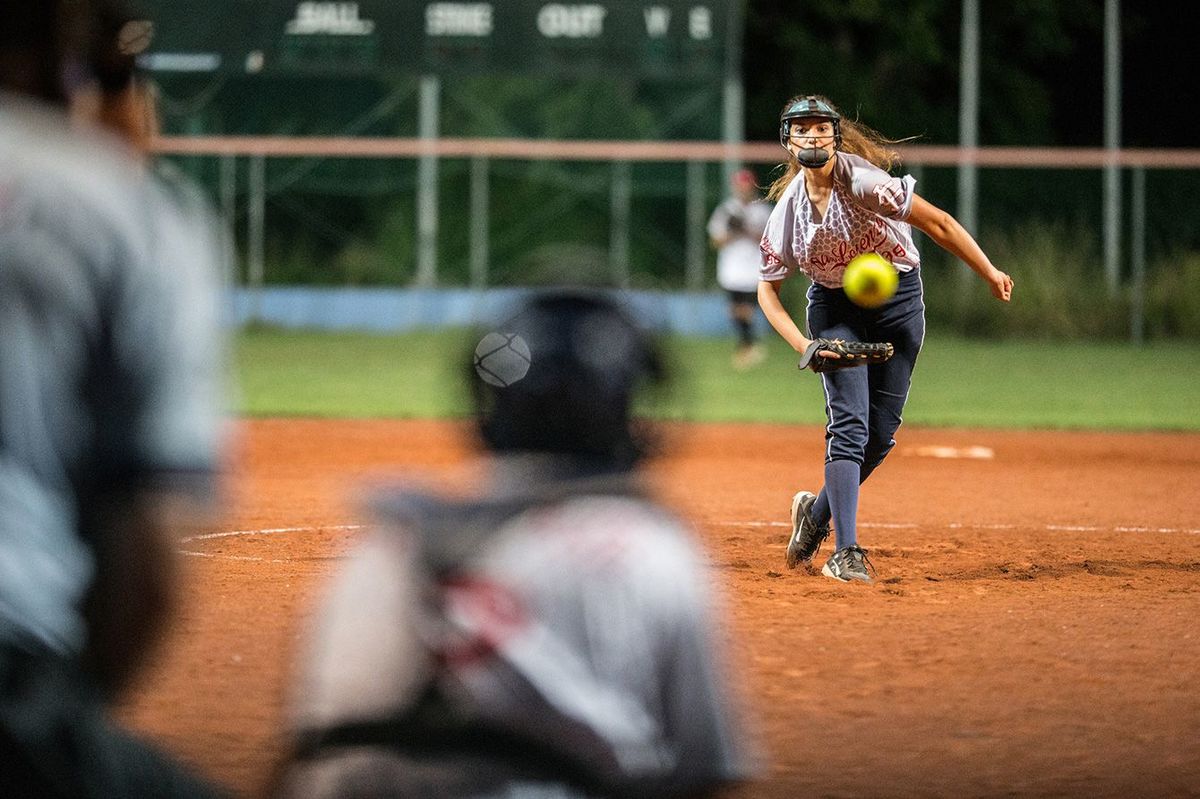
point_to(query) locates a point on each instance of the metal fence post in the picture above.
(733, 94)
(618, 252)
(480, 204)
(695, 235)
(1112, 142)
(227, 193)
(968, 130)
(427, 182)
(1137, 297)
(256, 233)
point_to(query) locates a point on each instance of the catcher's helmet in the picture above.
(587, 357)
(809, 107)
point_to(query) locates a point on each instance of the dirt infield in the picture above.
(1032, 631)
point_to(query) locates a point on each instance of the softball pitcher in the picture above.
(837, 200)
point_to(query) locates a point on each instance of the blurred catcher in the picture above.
(109, 396)
(552, 636)
(836, 200)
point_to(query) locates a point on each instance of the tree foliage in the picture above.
(897, 66)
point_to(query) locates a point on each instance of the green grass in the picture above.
(957, 383)
(1038, 385)
(284, 373)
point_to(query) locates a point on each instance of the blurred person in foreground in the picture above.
(109, 395)
(735, 229)
(553, 636)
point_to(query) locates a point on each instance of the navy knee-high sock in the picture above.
(839, 500)
(820, 509)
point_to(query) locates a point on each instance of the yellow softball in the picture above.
(870, 280)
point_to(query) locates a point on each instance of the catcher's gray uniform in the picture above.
(572, 621)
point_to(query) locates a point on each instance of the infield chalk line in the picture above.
(263, 531)
(1075, 528)
(216, 556)
(270, 531)
(878, 525)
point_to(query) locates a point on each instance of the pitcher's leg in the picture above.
(847, 408)
(889, 382)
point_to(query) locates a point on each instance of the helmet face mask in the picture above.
(810, 107)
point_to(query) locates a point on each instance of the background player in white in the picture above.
(835, 201)
(109, 396)
(553, 636)
(735, 228)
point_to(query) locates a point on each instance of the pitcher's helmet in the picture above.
(809, 107)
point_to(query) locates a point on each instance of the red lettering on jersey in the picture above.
(771, 259)
(483, 616)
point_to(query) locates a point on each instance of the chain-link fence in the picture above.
(499, 212)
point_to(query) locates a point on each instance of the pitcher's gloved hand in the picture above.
(849, 354)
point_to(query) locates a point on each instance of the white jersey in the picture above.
(585, 624)
(739, 260)
(866, 213)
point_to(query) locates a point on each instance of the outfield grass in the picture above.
(958, 382)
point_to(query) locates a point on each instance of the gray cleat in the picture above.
(806, 535)
(849, 563)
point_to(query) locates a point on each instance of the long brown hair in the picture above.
(857, 139)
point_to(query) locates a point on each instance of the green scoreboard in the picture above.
(672, 40)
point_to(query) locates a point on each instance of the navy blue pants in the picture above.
(863, 405)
